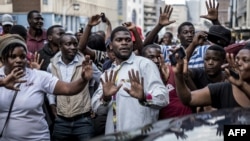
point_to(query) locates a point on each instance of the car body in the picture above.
(205, 126)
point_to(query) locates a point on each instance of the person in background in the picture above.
(36, 35)
(27, 113)
(7, 22)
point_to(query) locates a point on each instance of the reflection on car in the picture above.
(206, 126)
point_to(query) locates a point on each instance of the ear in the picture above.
(49, 37)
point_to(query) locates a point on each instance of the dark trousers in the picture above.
(78, 128)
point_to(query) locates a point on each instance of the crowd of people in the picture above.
(60, 86)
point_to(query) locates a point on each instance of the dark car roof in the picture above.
(206, 126)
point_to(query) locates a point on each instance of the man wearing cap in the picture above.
(7, 23)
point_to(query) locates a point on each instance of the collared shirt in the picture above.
(67, 69)
(129, 112)
(166, 52)
(36, 44)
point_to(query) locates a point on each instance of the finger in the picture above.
(137, 76)
(210, 4)
(111, 76)
(106, 76)
(35, 57)
(185, 67)
(213, 4)
(41, 62)
(21, 81)
(126, 90)
(102, 81)
(207, 5)
(134, 75)
(170, 12)
(167, 9)
(160, 11)
(130, 76)
(115, 76)
(142, 82)
(217, 7)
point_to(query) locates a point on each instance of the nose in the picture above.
(210, 61)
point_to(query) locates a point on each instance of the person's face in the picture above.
(6, 28)
(186, 35)
(242, 59)
(122, 45)
(54, 38)
(36, 21)
(16, 59)
(68, 48)
(212, 62)
(153, 54)
(167, 40)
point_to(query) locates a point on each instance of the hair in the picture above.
(170, 34)
(65, 34)
(9, 50)
(96, 42)
(144, 49)
(117, 29)
(184, 24)
(51, 28)
(20, 30)
(29, 15)
(219, 49)
(102, 33)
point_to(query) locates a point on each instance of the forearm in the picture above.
(72, 88)
(108, 31)
(216, 22)
(182, 90)
(84, 38)
(189, 50)
(150, 38)
(245, 87)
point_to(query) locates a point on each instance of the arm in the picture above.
(198, 39)
(64, 88)
(212, 10)
(163, 21)
(94, 20)
(108, 29)
(199, 97)
(138, 41)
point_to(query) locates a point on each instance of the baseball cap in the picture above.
(7, 19)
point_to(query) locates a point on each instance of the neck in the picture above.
(54, 47)
(66, 61)
(217, 77)
(35, 32)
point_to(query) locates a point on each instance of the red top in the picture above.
(35, 44)
(175, 106)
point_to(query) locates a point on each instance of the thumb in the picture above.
(203, 16)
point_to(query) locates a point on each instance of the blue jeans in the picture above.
(80, 129)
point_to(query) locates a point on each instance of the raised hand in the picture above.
(87, 69)
(232, 66)
(212, 11)
(129, 25)
(164, 68)
(165, 16)
(109, 86)
(35, 64)
(13, 78)
(136, 89)
(94, 20)
(182, 65)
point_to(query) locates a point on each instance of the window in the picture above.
(45, 2)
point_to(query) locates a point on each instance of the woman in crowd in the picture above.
(27, 119)
(234, 93)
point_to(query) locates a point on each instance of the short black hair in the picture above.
(117, 29)
(20, 30)
(149, 46)
(51, 28)
(29, 15)
(219, 49)
(170, 34)
(184, 24)
(66, 34)
(96, 42)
